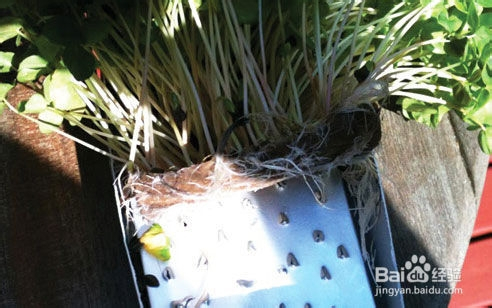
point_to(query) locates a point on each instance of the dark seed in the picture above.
(318, 236)
(292, 260)
(325, 274)
(168, 274)
(342, 252)
(151, 281)
(283, 219)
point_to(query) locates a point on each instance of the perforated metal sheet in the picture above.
(277, 247)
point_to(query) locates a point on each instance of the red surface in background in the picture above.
(476, 274)
(483, 224)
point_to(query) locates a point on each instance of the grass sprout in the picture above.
(178, 76)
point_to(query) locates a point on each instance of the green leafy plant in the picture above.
(464, 55)
(238, 95)
(287, 58)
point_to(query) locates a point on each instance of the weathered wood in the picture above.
(60, 242)
(432, 180)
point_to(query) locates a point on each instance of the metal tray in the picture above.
(277, 247)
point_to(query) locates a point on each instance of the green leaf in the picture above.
(481, 38)
(486, 53)
(485, 140)
(229, 105)
(62, 90)
(486, 19)
(483, 110)
(46, 48)
(456, 47)
(247, 12)
(63, 30)
(415, 106)
(31, 68)
(461, 5)
(428, 114)
(450, 23)
(461, 97)
(35, 104)
(473, 19)
(9, 28)
(156, 242)
(94, 30)
(80, 62)
(4, 90)
(487, 73)
(6, 61)
(485, 3)
(51, 120)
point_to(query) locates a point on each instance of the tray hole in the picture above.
(245, 283)
(283, 219)
(342, 252)
(318, 236)
(168, 274)
(202, 262)
(292, 260)
(325, 274)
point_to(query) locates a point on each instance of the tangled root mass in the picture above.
(347, 137)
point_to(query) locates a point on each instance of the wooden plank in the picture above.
(60, 242)
(432, 180)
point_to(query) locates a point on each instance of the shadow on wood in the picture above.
(433, 180)
(60, 240)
